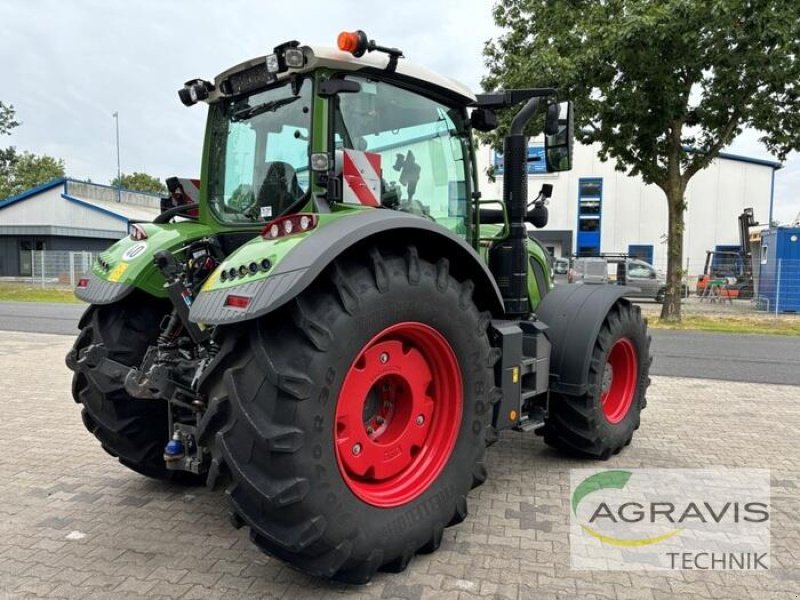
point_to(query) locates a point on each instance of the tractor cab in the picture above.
(321, 130)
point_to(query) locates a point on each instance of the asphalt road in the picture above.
(750, 358)
(724, 356)
(34, 317)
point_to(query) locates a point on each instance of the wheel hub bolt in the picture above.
(357, 449)
(384, 357)
(420, 420)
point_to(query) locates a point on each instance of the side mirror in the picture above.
(558, 146)
(483, 119)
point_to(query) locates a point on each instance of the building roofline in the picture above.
(111, 187)
(63, 181)
(32, 192)
(104, 211)
(754, 161)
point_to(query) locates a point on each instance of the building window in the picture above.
(536, 161)
(643, 252)
(26, 249)
(586, 223)
(590, 209)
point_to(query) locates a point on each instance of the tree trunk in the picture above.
(671, 310)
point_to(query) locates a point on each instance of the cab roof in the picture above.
(332, 58)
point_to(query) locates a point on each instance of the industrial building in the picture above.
(595, 208)
(66, 215)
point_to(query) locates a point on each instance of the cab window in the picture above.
(420, 145)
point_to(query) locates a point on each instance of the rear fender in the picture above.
(311, 253)
(128, 264)
(574, 314)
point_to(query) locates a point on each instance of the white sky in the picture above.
(67, 66)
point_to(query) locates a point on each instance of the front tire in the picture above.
(601, 422)
(132, 430)
(354, 420)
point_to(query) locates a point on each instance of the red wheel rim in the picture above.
(398, 414)
(619, 380)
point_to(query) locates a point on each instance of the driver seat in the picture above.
(280, 188)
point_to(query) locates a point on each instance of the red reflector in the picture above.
(83, 282)
(237, 301)
(288, 225)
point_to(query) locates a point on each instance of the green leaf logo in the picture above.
(611, 480)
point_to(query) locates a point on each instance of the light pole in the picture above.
(119, 173)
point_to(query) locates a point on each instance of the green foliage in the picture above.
(7, 122)
(140, 182)
(20, 172)
(651, 79)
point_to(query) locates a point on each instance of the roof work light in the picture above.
(195, 90)
(357, 43)
(354, 42)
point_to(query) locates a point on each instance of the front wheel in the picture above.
(354, 420)
(135, 431)
(601, 421)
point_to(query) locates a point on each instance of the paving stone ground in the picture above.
(76, 524)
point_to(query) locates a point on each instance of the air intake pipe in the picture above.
(509, 260)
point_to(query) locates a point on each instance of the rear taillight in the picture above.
(289, 225)
(138, 233)
(234, 301)
(83, 282)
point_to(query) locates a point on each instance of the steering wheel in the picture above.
(167, 215)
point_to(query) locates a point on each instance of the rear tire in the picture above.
(284, 419)
(601, 422)
(132, 430)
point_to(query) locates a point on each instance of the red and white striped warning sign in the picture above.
(191, 187)
(362, 177)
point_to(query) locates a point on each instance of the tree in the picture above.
(663, 87)
(140, 182)
(20, 172)
(7, 122)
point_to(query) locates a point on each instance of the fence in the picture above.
(775, 289)
(59, 268)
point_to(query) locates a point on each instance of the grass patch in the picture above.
(26, 292)
(733, 324)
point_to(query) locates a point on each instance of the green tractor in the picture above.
(340, 326)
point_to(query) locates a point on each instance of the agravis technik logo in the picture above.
(670, 519)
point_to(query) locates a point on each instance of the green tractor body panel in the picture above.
(259, 249)
(298, 259)
(539, 279)
(130, 263)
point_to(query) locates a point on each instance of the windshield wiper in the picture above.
(252, 111)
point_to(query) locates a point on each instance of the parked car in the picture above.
(644, 281)
(641, 278)
(561, 266)
(592, 269)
